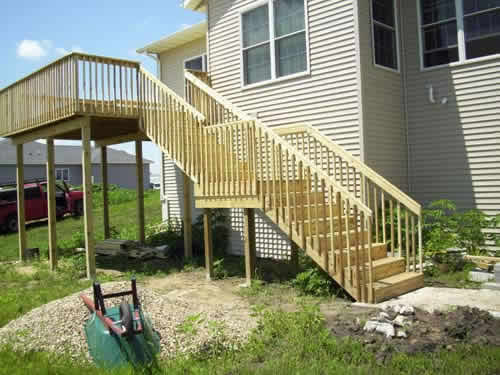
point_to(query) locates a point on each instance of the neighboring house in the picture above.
(410, 87)
(68, 159)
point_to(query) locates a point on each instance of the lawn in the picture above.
(283, 343)
(123, 219)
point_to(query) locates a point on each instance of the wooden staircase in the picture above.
(359, 228)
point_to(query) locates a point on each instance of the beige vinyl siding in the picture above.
(172, 74)
(384, 128)
(328, 98)
(454, 147)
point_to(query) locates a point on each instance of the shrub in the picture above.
(314, 282)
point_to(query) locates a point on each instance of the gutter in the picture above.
(404, 77)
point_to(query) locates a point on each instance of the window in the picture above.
(441, 22)
(62, 174)
(274, 41)
(385, 37)
(198, 63)
(32, 193)
(482, 27)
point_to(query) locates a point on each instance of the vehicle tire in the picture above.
(11, 224)
(78, 211)
(126, 318)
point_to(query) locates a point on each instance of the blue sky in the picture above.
(33, 33)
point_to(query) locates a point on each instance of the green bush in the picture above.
(314, 282)
(444, 227)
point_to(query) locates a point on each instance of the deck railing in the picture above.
(397, 218)
(74, 84)
(292, 189)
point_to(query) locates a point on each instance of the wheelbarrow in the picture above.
(121, 334)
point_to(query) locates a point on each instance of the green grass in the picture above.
(123, 218)
(21, 293)
(284, 343)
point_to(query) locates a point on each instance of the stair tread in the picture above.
(352, 248)
(384, 261)
(395, 279)
(321, 235)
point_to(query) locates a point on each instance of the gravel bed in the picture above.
(184, 326)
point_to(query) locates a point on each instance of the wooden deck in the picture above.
(338, 210)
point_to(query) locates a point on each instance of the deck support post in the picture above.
(21, 221)
(51, 204)
(250, 244)
(294, 256)
(209, 253)
(87, 200)
(188, 218)
(105, 200)
(140, 192)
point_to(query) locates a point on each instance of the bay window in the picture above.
(442, 22)
(274, 40)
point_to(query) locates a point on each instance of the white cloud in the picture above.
(185, 26)
(33, 49)
(63, 51)
(36, 49)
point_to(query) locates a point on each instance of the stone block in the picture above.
(480, 276)
(491, 286)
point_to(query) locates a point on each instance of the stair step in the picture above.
(326, 243)
(382, 268)
(302, 212)
(379, 251)
(397, 285)
(323, 225)
(293, 185)
(300, 199)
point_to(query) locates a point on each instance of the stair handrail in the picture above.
(172, 93)
(382, 182)
(285, 145)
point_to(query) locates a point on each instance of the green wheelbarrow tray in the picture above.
(120, 335)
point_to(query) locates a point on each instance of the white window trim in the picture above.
(462, 60)
(62, 174)
(272, 39)
(203, 59)
(396, 26)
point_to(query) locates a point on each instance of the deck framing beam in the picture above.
(51, 131)
(87, 200)
(21, 218)
(208, 242)
(51, 204)
(250, 244)
(141, 230)
(188, 217)
(105, 195)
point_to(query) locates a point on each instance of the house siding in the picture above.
(172, 74)
(123, 175)
(454, 147)
(328, 98)
(384, 128)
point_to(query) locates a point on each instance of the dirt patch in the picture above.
(426, 332)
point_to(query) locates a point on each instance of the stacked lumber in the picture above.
(130, 249)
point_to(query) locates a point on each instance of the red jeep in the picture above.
(35, 197)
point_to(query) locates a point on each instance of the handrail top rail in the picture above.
(214, 94)
(410, 203)
(271, 131)
(68, 56)
(171, 92)
(299, 157)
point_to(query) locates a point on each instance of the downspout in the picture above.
(163, 199)
(405, 94)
